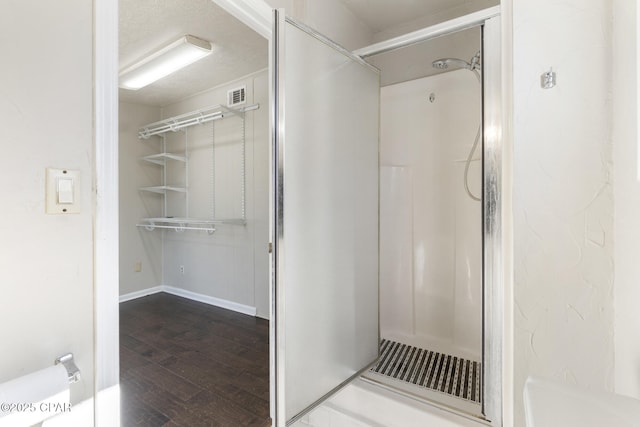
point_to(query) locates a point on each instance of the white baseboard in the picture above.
(218, 302)
(140, 294)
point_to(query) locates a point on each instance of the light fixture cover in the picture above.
(169, 59)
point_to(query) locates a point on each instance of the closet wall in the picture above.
(229, 267)
(430, 229)
(136, 245)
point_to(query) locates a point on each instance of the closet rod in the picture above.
(174, 124)
(151, 227)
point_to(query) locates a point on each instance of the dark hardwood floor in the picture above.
(189, 364)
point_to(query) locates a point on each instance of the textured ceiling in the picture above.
(146, 25)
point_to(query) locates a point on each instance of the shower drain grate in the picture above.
(436, 371)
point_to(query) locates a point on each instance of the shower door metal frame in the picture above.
(368, 343)
(458, 24)
(494, 271)
(492, 227)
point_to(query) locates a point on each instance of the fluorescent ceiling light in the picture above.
(169, 59)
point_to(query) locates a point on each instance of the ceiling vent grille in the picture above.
(237, 96)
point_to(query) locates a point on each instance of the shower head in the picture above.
(447, 63)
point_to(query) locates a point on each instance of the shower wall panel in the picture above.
(430, 234)
(396, 249)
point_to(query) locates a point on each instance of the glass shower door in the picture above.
(326, 222)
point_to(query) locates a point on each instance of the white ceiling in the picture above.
(146, 25)
(379, 15)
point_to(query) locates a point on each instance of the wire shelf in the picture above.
(166, 158)
(162, 189)
(161, 159)
(197, 117)
(182, 224)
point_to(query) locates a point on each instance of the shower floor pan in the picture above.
(445, 379)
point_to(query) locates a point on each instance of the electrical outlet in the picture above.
(182, 269)
(137, 267)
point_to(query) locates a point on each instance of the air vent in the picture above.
(236, 96)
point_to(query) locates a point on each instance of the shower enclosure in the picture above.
(432, 206)
(440, 247)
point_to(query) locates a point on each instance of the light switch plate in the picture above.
(52, 204)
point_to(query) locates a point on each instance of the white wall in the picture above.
(233, 263)
(46, 261)
(136, 244)
(430, 229)
(627, 198)
(563, 195)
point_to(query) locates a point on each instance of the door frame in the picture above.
(106, 215)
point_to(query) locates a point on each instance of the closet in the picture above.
(194, 222)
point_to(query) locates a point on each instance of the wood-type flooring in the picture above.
(189, 364)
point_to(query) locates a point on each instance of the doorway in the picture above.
(194, 221)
